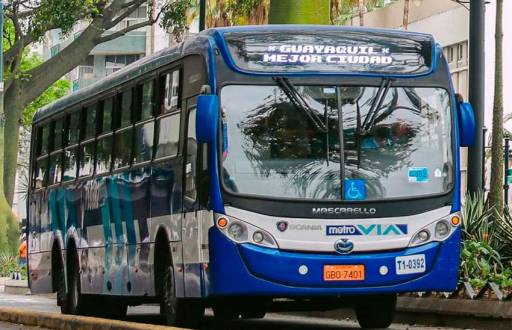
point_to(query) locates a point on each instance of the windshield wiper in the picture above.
(369, 120)
(300, 103)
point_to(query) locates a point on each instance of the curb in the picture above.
(71, 322)
(430, 311)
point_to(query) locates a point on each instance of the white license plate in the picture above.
(410, 264)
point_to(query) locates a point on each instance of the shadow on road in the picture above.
(271, 322)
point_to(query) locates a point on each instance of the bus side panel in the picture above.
(166, 213)
(40, 281)
(95, 234)
(138, 188)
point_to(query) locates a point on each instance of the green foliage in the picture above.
(242, 7)
(174, 17)
(479, 262)
(487, 246)
(62, 14)
(9, 264)
(478, 220)
(60, 88)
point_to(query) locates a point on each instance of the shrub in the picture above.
(9, 264)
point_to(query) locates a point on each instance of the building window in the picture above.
(114, 63)
(86, 68)
(54, 50)
(460, 51)
(450, 54)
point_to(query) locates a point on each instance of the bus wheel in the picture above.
(61, 290)
(170, 308)
(75, 302)
(376, 311)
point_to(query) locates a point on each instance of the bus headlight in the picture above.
(237, 231)
(243, 232)
(436, 231)
(442, 229)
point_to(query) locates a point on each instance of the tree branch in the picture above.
(124, 31)
(129, 9)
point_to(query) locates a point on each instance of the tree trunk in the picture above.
(406, 14)
(11, 140)
(299, 12)
(361, 12)
(496, 193)
(8, 223)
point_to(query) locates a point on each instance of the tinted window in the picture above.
(147, 99)
(144, 135)
(58, 134)
(55, 169)
(171, 90)
(123, 148)
(45, 141)
(191, 162)
(40, 172)
(125, 108)
(106, 116)
(168, 136)
(86, 164)
(70, 164)
(73, 128)
(103, 155)
(90, 128)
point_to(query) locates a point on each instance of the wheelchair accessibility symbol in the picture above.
(355, 190)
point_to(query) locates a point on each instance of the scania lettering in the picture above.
(251, 166)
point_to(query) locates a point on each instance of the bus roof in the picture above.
(199, 44)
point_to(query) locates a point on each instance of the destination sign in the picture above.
(345, 52)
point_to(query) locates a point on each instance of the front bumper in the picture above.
(246, 269)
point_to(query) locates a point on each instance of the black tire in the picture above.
(176, 311)
(61, 290)
(376, 312)
(75, 303)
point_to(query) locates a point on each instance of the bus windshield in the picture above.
(336, 142)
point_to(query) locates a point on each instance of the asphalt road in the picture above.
(148, 314)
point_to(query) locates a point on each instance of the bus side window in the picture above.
(123, 136)
(104, 141)
(87, 142)
(70, 168)
(41, 163)
(170, 91)
(168, 136)
(145, 125)
(191, 160)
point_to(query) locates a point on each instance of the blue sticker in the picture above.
(354, 190)
(418, 174)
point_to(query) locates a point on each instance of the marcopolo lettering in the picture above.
(344, 211)
(366, 230)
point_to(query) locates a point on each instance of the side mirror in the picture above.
(207, 118)
(467, 125)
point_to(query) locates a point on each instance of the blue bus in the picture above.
(253, 169)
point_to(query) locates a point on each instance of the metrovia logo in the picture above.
(366, 230)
